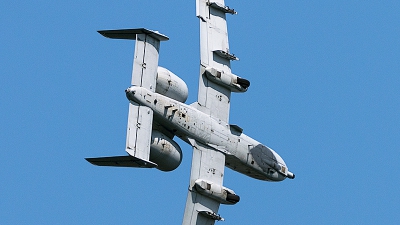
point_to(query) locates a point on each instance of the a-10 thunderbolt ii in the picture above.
(157, 113)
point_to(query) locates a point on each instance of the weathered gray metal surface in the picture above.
(213, 39)
(157, 113)
(243, 154)
(140, 118)
(207, 164)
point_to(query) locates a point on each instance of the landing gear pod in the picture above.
(231, 81)
(170, 85)
(217, 192)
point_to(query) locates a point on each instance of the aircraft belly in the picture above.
(182, 119)
(238, 165)
(244, 154)
(157, 113)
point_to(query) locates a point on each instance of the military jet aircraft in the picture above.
(158, 113)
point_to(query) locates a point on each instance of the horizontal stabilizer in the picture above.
(131, 34)
(121, 161)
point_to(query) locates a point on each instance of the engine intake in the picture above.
(170, 85)
(165, 152)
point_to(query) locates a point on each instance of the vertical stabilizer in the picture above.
(144, 74)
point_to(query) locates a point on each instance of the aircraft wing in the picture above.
(216, 83)
(207, 174)
(214, 98)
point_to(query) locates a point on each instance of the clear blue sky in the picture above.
(324, 94)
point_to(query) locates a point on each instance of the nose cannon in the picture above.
(290, 175)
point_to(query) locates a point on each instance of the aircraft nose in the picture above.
(281, 166)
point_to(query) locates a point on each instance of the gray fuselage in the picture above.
(243, 154)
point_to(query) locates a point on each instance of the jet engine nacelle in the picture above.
(165, 152)
(229, 80)
(219, 193)
(170, 85)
